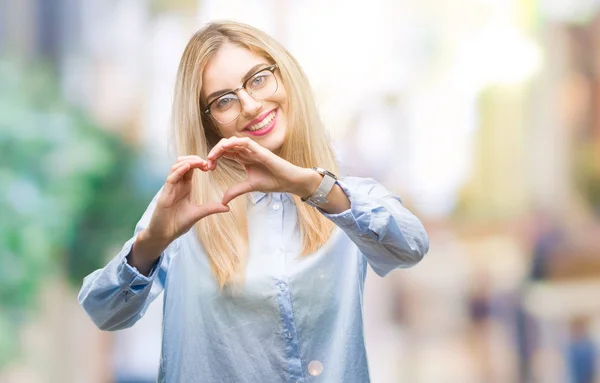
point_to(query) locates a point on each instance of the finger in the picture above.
(200, 164)
(232, 156)
(194, 164)
(237, 147)
(175, 166)
(212, 154)
(194, 161)
(236, 191)
(176, 175)
(234, 144)
(190, 173)
(244, 142)
(209, 208)
(249, 147)
(234, 141)
(189, 158)
(227, 143)
(216, 153)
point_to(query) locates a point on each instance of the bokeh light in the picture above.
(315, 368)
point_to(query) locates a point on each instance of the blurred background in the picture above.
(483, 115)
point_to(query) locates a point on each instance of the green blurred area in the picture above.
(68, 193)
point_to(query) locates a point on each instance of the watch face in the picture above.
(324, 172)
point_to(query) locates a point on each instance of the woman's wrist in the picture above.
(145, 252)
(306, 183)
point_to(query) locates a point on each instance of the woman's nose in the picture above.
(250, 107)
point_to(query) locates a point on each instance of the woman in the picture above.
(268, 285)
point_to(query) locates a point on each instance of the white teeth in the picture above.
(266, 121)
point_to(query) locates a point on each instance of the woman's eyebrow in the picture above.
(249, 73)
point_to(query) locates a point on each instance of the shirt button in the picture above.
(276, 206)
(289, 335)
(282, 286)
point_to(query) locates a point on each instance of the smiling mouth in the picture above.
(262, 122)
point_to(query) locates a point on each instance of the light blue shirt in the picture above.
(296, 318)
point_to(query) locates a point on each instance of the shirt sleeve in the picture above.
(385, 231)
(117, 296)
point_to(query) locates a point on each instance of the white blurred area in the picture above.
(456, 106)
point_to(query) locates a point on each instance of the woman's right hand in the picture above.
(175, 212)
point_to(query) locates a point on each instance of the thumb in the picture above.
(209, 208)
(236, 191)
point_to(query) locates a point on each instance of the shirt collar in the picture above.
(256, 196)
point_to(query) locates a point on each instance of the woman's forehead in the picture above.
(226, 69)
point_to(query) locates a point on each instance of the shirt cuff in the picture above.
(355, 217)
(129, 276)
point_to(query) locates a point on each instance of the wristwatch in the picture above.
(319, 197)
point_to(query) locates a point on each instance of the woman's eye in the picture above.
(224, 102)
(258, 80)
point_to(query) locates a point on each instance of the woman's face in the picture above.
(262, 120)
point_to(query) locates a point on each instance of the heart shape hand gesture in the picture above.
(175, 212)
(265, 171)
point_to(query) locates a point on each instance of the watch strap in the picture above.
(319, 197)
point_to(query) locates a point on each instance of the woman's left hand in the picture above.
(266, 172)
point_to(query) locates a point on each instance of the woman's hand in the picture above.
(266, 172)
(175, 212)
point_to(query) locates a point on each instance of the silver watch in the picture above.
(319, 197)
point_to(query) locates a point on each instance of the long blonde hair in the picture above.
(224, 236)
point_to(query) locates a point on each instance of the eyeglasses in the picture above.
(227, 107)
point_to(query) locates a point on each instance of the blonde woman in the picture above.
(260, 248)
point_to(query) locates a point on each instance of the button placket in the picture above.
(291, 346)
(275, 213)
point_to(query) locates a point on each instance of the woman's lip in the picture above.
(266, 129)
(258, 119)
